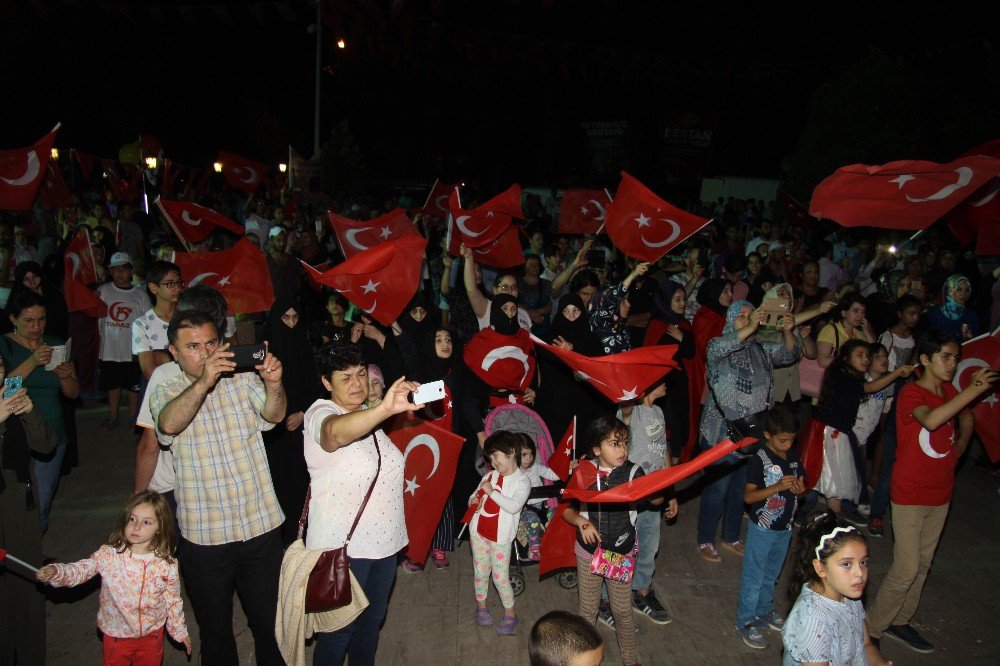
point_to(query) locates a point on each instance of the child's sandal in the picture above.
(483, 617)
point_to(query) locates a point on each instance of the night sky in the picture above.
(490, 90)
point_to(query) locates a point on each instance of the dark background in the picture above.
(498, 91)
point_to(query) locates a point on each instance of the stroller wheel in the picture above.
(517, 582)
(567, 579)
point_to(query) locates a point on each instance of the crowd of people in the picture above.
(833, 350)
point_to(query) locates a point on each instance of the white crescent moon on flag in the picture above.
(925, 445)
(965, 365)
(372, 309)
(199, 278)
(597, 204)
(460, 223)
(989, 196)
(187, 218)
(432, 446)
(350, 237)
(507, 351)
(251, 179)
(442, 206)
(964, 178)
(30, 172)
(75, 260)
(670, 239)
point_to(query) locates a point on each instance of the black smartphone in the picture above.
(247, 356)
(595, 259)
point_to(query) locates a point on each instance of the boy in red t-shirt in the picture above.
(928, 448)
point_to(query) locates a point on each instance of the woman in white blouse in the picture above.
(345, 448)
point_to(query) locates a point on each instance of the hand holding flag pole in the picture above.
(5, 555)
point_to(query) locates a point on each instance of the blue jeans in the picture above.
(47, 479)
(647, 532)
(765, 554)
(359, 640)
(722, 497)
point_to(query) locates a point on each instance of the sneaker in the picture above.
(876, 527)
(752, 637)
(864, 509)
(649, 606)
(709, 552)
(855, 518)
(735, 546)
(507, 625)
(910, 636)
(409, 566)
(483, 617)
(604, 615)
(440, 559)
(772, 620)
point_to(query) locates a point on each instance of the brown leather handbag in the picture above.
(329, 585)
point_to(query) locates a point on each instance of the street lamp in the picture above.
(341, 44)
(151, 163)
(55, 153)
(217, 166)
(282, 167)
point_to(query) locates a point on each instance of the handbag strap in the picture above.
(304, 518)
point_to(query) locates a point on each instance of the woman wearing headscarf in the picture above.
(952, 316)
(740, 376)
(285, 333)
(570, 329)
(30, 276)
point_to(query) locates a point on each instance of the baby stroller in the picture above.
(520, 554)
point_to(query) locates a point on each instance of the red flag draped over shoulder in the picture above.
(909, 194)
(644, 226)
(382, 280)
(357, 236)
(623, 376)
(502, 361)
(22, 171)
(582, 211)
(239, 273)
(982, 352)
(80, 272)
(242, 173)
(430, 457)
(194, 223)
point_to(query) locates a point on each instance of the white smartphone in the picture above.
(429, 392)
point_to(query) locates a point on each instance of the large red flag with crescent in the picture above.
(382, 280)
(22, 170)
(194, 223)
(55, 193)
(430, 456)
(80, 273)
(502, 361)
(564, 453)
(977, 353)
(484, 224)
(239, 273)
(559, 537)
(908, 194)
(620, 377)
(242, 173)
(582, 211)
(436, 206)
(644, 226)
(356, 236)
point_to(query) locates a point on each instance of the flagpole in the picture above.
(431, 193)
(21, 562)
(172, 225)
(910, 239)
(574, 438)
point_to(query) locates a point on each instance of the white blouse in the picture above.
(339, 481)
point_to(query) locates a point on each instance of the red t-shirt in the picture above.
(924, 472)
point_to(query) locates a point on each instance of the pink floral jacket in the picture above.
(137, 596)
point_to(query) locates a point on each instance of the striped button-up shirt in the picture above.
(224, 490)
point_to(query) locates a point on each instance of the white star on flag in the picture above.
(372, 286)
(629, 395)
(385, 232)
(489, 214)
(224, 281)
(902, 179)
(583, 209)
(411, 486)
(643, 220)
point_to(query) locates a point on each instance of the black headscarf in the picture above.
(709, 292)
(499, 320)
(434, 367)
(417, 330)
(661, 302)
(299, 374)
(576, 332)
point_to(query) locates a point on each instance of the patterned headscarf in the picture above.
(732, 313)
(950, 308)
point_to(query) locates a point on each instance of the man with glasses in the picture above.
(149, 332)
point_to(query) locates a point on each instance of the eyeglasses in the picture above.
(173, 284)
(507, 287)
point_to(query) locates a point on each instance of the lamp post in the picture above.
(319, 72)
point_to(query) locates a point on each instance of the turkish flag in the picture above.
(582, 211)
(909, 194)
(22, 171)
(560, 537)
(382, 280)
(979, 216)
(502, 361)
(484, 224)
(241, 173)
(620, 377)
(982, 352)
(797, 213)
(436, 205)
(125, 187)
(80, 272)
(504, 252)
(644, 226)
(355, 236)
(86, 163)
(240, 274)
(54, 192)
(194, 223)
(430, 456)
(564, 453)
(315, 272)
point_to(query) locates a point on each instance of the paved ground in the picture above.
(430, 617)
